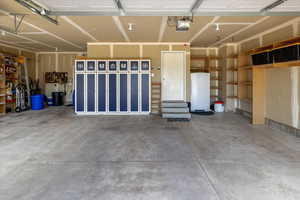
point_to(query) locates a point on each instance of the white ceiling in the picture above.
(79, 5)
(168, 6)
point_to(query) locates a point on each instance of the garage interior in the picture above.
(126, 99)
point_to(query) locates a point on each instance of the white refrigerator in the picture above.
(200, 91)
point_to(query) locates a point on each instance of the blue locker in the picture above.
(145, 92)
(123, 92)
(101, 92)
(112, 92)
(91, 92)
(134, 92)
(79, 92)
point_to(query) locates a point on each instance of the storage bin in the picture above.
(37, 102)
(57, 98)
(262, 58)
(219, 106)
(288, 53)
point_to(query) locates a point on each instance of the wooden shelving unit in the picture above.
(11, 79)
(2, 87)
(251, 79)
(232, 80)
(208, 62)
(245, 83)
(155, 97)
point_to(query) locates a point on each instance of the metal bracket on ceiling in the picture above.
(120, 7)
(18, 19)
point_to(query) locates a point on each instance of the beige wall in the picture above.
(55, 62)
(282, 85)
(30, 56)
(142, 50)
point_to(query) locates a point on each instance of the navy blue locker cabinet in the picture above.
(145, 92)
(145, 65)
(134, 92)
(123, 65)
(112, 65)
(112, 92)
(91, 66)
(91, 92)
(80, 66)
(101, 92)
(134, 65)
(112, 86)
(79, 93)
(101, 66)
(123, 92)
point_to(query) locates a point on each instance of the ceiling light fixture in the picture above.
(217, 27)
(37, 9)
(131, 26)
(43, 12)
(271, 6)
(3, 33)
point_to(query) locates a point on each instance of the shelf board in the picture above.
(232, 97)
(278, 65)
(233, 56)
(249, 67)
(246, 99)
(214, 88)
(215, 69)
(215, 79)
(245, 83)
(205, 58)
(232, 83)
(232, 69)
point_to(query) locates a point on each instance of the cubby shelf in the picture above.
(205, 57)
(232, 83)
(207, 62)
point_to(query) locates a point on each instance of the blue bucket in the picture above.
(37, 102)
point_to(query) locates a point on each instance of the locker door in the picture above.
(90, 93)
(101, 92)
(112, 92)
(79, 93)
(134, 93)
(145, 92)
(123, 92)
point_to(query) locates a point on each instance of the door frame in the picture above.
(184, 70)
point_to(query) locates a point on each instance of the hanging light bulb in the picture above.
(217, 27)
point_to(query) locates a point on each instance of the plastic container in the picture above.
(50, 101)
(286, 54)
(262, 58)
(58, 98)
(219, 106)
(37, 102)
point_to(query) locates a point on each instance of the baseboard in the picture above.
(282, 127)
(244, 113)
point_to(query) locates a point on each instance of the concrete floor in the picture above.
(55, 155)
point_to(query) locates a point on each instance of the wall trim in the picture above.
(138, 43)
(61, 52)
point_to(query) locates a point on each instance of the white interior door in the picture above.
(173, 75)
